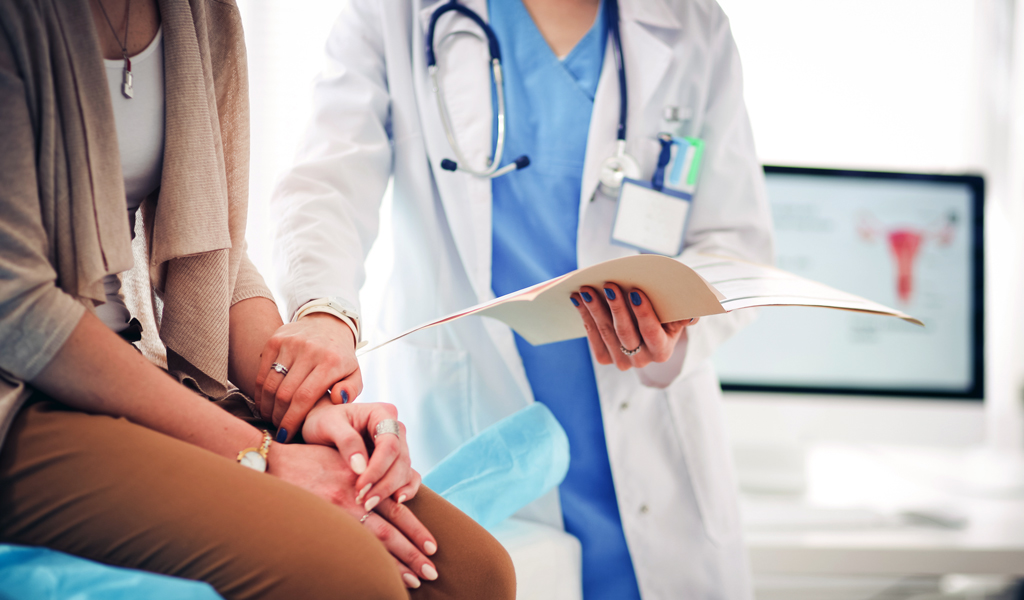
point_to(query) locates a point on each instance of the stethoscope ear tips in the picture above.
(449, 165)
(522, 162)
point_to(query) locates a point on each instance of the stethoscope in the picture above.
(614, 168)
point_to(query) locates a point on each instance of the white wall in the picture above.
(285, 42)
(871, 83)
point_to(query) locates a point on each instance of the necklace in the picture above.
(126, 83)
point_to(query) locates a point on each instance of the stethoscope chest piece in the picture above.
(615, 168)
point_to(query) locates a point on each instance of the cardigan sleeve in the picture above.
(36, 317)
(249, 283)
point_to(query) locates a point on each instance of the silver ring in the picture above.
(279, 368)
(386, 426)
(363, 518)
(633, 351)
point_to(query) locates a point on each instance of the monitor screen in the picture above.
(909, 241)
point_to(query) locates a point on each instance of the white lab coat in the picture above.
(376, 116)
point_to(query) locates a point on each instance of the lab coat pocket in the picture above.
(430, 387)
(696, 407)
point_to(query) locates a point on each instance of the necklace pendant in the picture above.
(126, 85)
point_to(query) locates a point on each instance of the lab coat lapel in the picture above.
(602, 131)
(647, 60)
(465, 77)
(466, 199)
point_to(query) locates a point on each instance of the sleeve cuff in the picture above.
(661, 375)
(251, 292)
(40, 340)
(336, 307)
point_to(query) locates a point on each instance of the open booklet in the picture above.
(706, 285)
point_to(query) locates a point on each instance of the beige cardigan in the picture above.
(63, 223)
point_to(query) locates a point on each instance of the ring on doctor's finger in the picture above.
(386, 426)
(631, 352)
(363, 518)
(279, 368)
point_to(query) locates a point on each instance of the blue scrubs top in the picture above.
(535, 214)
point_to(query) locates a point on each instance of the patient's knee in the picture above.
(481, 568)
(497, 572)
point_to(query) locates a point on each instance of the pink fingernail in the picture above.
(402, 498)
(358, 462)
(362, 492)
(410, 580)
(430, 548)
(371, 503)
(429, 572)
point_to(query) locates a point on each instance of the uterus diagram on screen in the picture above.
(905, 243)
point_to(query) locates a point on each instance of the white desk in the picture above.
(867, 488)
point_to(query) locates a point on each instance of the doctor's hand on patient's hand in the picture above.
(324, 471)
(623, 328)
(318, 353)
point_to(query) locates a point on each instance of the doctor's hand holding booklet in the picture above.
(625, 333)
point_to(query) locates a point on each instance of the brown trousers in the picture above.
(112, 491)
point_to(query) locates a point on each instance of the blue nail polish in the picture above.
(610, 293)
(635, 298)
(282, 435)
(344, 397)
(586, 296)
(574, 302)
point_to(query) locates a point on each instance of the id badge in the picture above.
(650, 220)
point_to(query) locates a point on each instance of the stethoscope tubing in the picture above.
(492, 40)
(446, 121)
(620, 67)
(494, 48)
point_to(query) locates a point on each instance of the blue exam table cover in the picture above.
(44, 574)
(504, 467)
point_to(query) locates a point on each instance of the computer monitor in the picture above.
(911, 241)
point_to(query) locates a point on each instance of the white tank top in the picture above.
(140, 137)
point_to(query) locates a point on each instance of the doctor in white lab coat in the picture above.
(376, 117)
